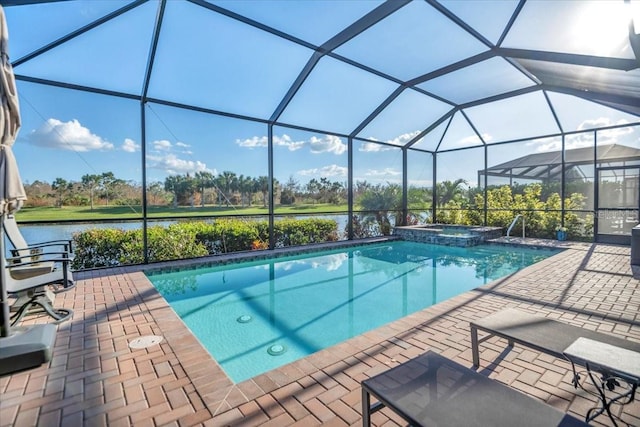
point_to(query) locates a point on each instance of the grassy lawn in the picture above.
(100, 213)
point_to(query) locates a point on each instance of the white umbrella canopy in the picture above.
(12, 193)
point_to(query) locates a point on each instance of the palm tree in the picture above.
(244, 186)
(377, 202)
(204, 180)
(227, 182)
(447, 191)
(171, 185)
(262, 185)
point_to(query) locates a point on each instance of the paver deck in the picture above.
(95, 378)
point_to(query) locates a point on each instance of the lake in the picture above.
(65, 231)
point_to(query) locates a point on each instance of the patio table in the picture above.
(613, 364)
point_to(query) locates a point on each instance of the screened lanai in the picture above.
(166, 135)
(365, 114)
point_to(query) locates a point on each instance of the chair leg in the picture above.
(59, 314)
(25, 297)
(67, 281)
(366, 408)
(64, 287)
(475, 352)
(41, 300)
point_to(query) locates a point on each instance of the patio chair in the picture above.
(431, 390)
(30, 256)
(27, 280)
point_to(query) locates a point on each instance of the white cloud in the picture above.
(578, 140)
(545, 144)
(327, 144)
(330, 262)
(326, 171)
(404, 138)
(585, 139)
(613, 136)
(607, 136)
(161, 145)
(285, 141)
(256, 141)
(182, 144)
(130, 146)
(377, 173)
(371, 147)
(399, 140)
(474, 140)
(600, 122)
(387, 175)
(172, 165)
(69, 135)
(262, 141)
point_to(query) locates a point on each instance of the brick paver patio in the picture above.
(95, 378)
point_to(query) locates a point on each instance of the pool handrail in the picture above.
(513, 223)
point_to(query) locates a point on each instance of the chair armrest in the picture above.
(20, 261)
(67, 244)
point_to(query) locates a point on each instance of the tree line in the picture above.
(91, 190)
(230, 189)
(202, 188)
(378, 206)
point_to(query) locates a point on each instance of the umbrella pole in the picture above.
(5, 321)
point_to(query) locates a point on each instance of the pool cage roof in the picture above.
(404, 73)
(548, 166)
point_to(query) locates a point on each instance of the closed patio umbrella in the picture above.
(25, 347)
(12, 193)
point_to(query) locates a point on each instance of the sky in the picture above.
(208, 60)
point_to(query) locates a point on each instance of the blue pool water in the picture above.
(255, 316)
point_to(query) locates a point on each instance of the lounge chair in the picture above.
(435, 391)
(537, 332)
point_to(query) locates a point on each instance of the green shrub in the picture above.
(232, 235)
(542, 212)
(99, 247)
(165, 243)
(112, 247)
(292, 232)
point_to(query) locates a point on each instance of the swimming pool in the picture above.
(256, 316)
